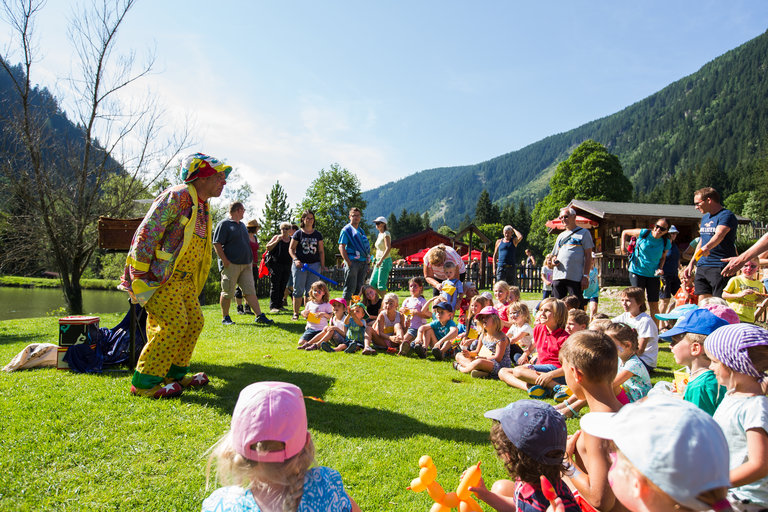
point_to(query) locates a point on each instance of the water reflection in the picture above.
(35, 302)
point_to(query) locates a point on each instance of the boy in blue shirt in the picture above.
(437, 334)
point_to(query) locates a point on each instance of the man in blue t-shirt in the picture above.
(356, 252)
(717, 242)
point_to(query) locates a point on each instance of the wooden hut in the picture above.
(613, 218)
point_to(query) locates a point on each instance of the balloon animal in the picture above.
(446, 501)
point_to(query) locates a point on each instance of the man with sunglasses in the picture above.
(573, 258)
(717, 242)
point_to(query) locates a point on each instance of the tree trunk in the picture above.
(73, 294)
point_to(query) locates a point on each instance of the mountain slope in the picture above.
(719, 113)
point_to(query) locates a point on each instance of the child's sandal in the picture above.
(574, 413)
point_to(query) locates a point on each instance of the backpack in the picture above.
(633, 243)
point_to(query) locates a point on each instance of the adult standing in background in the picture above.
(504, 255)
(253, 231)
(280, 269)
(646, 265)
(383, 262)
(717, 243)
(232, 245)
(165, 271)
(356, 252)
(670, 281)
(434, 259)
(572, 258)
(306, 249)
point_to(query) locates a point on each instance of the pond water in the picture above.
(33, 302)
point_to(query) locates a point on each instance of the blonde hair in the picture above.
(521, 308)
(496, 321)
(262, 478)
(319, 285)
(559, 311)
(514, 294)
(713, 301)
(437, 255)
(503, 286)
(389, 296)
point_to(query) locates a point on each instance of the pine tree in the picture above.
(276, 210)
(486, 212)
(425, 219)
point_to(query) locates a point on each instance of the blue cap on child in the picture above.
(535, 428)
(446, 306)
(698, 321)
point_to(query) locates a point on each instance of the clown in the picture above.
(165, 272)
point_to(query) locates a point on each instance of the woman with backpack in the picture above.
(646, 259)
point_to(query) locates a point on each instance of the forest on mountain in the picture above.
(711, 125)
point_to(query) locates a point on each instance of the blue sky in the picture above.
(386, 89)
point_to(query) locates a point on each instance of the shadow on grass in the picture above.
(7, 339)
(348, 420)
(664, 373)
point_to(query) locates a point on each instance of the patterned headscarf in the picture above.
(729, 344)
(199, 165)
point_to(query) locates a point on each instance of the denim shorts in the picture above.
(413, 332)
(544, 368)
(309, 334)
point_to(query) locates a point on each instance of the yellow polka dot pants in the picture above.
(174, 322)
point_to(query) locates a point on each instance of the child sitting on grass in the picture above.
(334, 333)
(387, 331)
(739, 354)
(501, 300)
(358, 332)
(541, 378)
(372, 301)
(590, 364)
(530, 438)
(744, 292)
(687, 345)
(520, 333)
(578, 320)
(438, 334)
(633, 301)
(470, 332)
(632, 381)
(317, 312)
(412, 311)
(676, 460)
(470, 291)
(494, 351)
(266, 458)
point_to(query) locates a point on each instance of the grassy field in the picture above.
(82, 442)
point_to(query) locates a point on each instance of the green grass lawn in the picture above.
(82, 442)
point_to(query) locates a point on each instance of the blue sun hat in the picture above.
(535, 428)
(697, 321)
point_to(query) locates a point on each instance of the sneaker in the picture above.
(240, 310)
(227, 321)
(169, 390)
(405, 349)
(561, 393)
(263, 320)
(538, 392)
(274, 311)
(352, 348)
(247, 310)
(479, 374)
(369, 351)
(391, 350)
(312, 347)
(420, 351)
(326, 347)
(437, 354)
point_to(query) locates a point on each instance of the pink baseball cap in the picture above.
(723, 312)
(338, 301)
(488, 310)
(269, 411)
